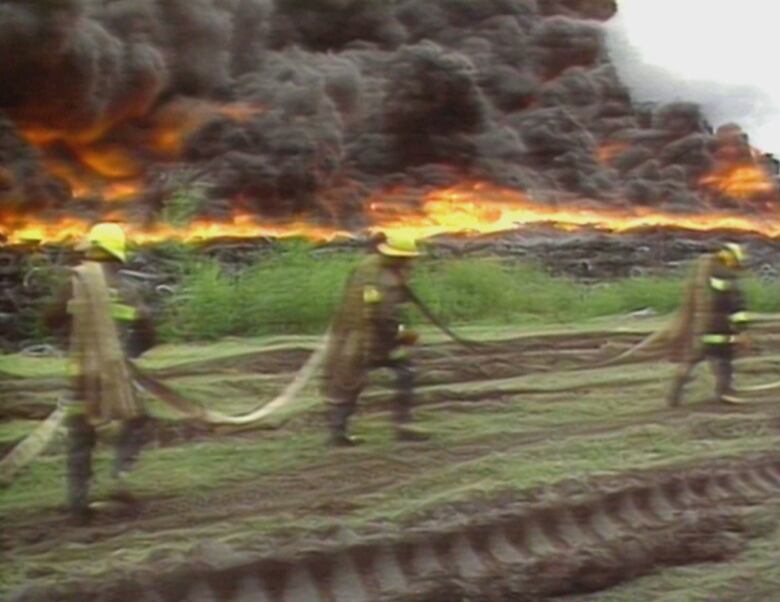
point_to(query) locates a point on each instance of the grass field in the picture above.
(295, 290)
(508, 419)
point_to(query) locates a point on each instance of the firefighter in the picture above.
(368, 332)
(712, 321)
(104, 320)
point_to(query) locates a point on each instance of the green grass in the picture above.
(295, 291)
(615, 422)
(294, 288)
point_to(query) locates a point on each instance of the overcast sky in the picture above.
(720, 53)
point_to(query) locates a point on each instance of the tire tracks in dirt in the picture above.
(291, 494)
(563, 545)
(707, 523)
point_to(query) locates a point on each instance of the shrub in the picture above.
(292, 291)
(295, 291)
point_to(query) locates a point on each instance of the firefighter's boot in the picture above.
(339, 416)
(402, 406)
(128, 447)
(81, 442)
(673, 398)
(723, 376)
(128, 444)
(680, 378)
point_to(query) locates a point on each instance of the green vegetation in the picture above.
(294, 288)
(292, 291)
(40, 284)
(295, 291)
(544, 428)
(496, 433)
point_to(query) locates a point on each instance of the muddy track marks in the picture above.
(529, 552)
(289, 493)
(283, 494)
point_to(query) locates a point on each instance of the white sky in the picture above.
(721, 53)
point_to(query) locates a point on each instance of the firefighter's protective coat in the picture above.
(98, 360)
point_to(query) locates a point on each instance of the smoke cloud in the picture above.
(715, 54)
(308, 107)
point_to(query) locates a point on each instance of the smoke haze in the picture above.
(311, 108)
(718, 54)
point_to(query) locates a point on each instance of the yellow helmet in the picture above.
(732, 254)
(398, 244)
(109, 237)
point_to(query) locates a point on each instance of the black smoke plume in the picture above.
(345, 98)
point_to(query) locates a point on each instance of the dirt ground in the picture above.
(546, 476)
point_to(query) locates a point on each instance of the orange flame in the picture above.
(22, 229)
(111, 171)
(469, 209)
(101, 170)
(742, 182)
(108, 161)
(84, 183)
(121, 190)
(42, 136)
(609, 150)
(70, 230)
(181, 118)
(483, 208)
(240, 111)
(80, 185)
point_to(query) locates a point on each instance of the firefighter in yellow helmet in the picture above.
(711, 321)
(368, 332)
(104, 320)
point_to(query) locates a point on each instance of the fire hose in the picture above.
(38, 440)
(752, 392)
(212, 417)
(35, 443)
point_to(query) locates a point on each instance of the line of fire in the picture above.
(739, 193)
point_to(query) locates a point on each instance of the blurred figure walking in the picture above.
(711, 322)
(104, 320)
(368, 333)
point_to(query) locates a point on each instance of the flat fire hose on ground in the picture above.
(742, 395)
(212, 417)
(31, 446)
(34, 444)
(773, 386)
(735, 400)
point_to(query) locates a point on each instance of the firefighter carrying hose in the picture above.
(368, 333)
(712, 320)
(105, 321)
